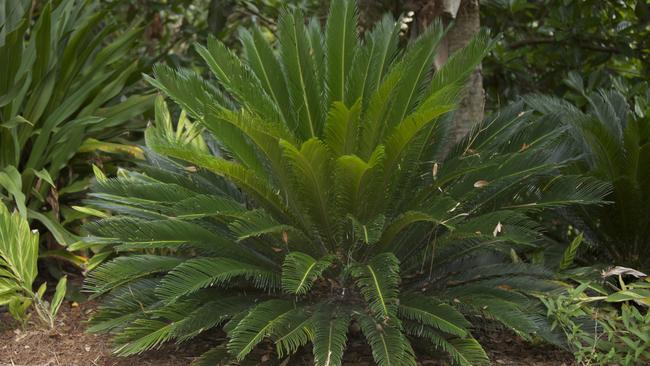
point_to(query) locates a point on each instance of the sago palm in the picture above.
(317, 204)
(612, 140)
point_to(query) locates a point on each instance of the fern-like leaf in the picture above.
(262, 321)
(195, 274)
(330, 335)
(300, 271)
(378, 282)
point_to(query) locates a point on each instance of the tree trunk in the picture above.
(464, 14)
(218, 11)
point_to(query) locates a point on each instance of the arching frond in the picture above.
(126, 269)
(238, 79)
(372, 61)
(330, 335)
(298, 332)
(300, 271)
(262, 321)
(390, 347)
(195, 274)
(217, 356)
(378, 282)
(311, 176)
(430, 312)
(262, 61)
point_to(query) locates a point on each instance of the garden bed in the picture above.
(69, 345)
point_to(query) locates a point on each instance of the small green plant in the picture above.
(597, 331)
(321, 200)
(18, 255)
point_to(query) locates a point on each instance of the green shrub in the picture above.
(612, 142)
(62, 73)
(18, 255)
(318, 203)
(599, 333)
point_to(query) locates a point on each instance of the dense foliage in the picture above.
(63, 66)
(543, 40)
(324, 198)
(612, 143)
(598, 332)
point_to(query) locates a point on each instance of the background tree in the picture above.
(543, 40)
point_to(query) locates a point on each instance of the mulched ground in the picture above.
(69, 345)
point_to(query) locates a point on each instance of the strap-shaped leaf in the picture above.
(300, 271)
(18, 252)
(378, 281)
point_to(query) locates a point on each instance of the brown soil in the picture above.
(69, 345)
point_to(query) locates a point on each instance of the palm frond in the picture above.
(300, 271)
(300, 74)
(262, 321)
(432, 313)
(378, 281)
(341, 39)
(195, 274)
(330, 336)
(389, 345)
(126, 269)
(297, 333)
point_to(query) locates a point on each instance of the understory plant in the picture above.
(611, 140)
(63, 68)
(604, 327)
(315, 197)
(18, 255)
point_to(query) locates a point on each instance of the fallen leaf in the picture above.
(481, 183)
(497, 229)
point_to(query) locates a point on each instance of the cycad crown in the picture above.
(312, 203)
